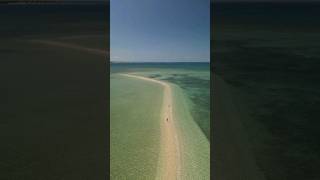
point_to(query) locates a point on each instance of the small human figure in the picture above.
(167, 119)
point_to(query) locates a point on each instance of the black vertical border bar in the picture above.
(211, 88)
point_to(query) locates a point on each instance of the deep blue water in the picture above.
(180, 65)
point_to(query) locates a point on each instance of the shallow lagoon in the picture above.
(134, 127)
(190, 85)
(193, 78)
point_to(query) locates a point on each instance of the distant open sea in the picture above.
(180, 65)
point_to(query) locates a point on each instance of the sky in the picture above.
(160, 30)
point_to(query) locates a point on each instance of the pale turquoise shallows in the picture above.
(135, 119)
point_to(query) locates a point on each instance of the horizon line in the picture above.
(159, 61)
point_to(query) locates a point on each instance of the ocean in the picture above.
(192, 77)
(138, 129)
(268, 53)
(53, 109)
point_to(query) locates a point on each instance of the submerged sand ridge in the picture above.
(72, 46)
(170, 160)
(233, 157)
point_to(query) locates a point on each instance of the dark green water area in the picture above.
(269, 54)
(53, 108)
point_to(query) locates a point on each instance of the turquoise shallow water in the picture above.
(192, 78)
(134, 127)
(191, 91)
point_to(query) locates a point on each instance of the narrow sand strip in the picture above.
(72, 46)
(170, 152)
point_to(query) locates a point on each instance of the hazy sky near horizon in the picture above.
(154, 30)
